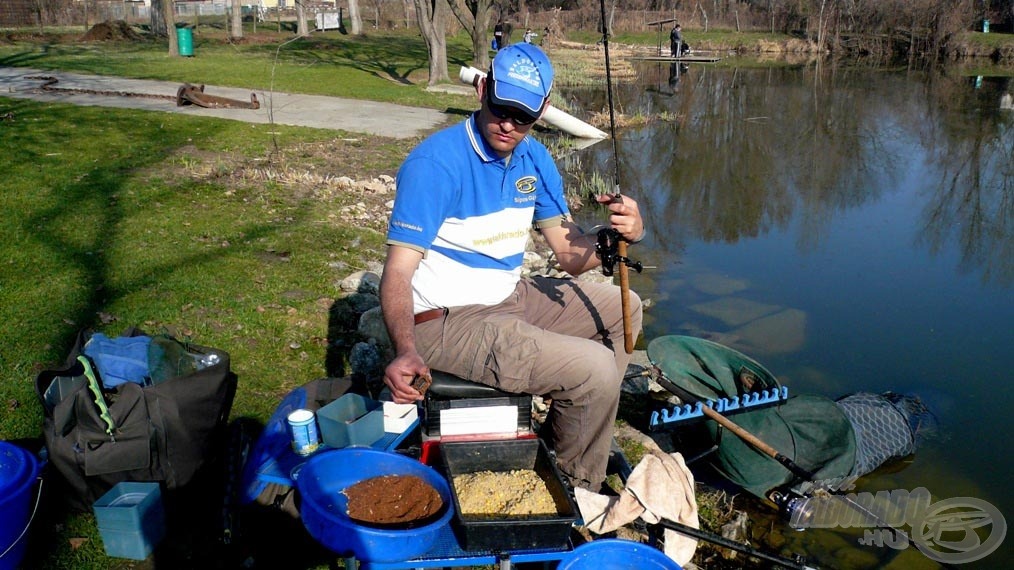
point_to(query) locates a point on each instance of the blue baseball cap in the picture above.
(522, 78)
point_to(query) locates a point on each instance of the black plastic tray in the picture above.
(509, 533)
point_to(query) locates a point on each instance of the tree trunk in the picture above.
(237, 19)
(38, 16)
(354, 18)
(430, 14)
(169, 13)
(156, 17)
(476, 24)
(301, 28)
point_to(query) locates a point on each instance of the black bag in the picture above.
(161, 432)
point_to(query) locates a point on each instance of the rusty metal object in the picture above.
(187, 94)
(191, 94)
(49, 84)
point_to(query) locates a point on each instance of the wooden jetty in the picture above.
(682, 59)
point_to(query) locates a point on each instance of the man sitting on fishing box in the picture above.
(452, 294)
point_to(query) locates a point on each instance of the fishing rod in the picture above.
(610, 234)
(798, 563)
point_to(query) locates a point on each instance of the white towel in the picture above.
(660, 487)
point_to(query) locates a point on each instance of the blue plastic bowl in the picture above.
(324, 507)
(18, 472)
(616, 554)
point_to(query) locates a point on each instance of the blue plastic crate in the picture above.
(351, 421)
(131, 519)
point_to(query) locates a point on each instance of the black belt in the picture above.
(429, 315)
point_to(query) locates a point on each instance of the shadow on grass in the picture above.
(76, 221)
(385, 57)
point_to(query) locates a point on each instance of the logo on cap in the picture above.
(525, 70)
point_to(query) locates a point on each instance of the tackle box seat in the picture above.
(451, 392)
(446, 385)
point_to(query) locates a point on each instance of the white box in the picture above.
(399, 417)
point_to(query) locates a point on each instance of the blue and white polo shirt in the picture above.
(470, 211)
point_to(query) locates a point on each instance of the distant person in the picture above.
(677, 47)
(530, 35)
(498, 36)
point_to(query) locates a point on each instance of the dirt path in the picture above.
(352, 115)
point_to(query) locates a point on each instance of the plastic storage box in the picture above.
(351, 420)
(434, 407)
(131, 519)
(509, 533)
(399, 417)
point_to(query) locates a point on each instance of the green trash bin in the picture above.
(185, 38)
(985, 26)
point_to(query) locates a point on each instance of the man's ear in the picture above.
(480, 88)
(545, 105)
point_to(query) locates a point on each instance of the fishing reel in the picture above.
(607, 247)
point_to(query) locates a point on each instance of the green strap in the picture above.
(100, 400)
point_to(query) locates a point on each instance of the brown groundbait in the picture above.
(392, 499)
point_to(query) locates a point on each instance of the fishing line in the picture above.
(610, 237)
(609, 98)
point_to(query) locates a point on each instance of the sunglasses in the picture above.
(503, 112)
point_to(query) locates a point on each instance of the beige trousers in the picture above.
(552, 337)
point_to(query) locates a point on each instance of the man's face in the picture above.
(502, 127)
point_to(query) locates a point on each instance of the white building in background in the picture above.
(263, 4)
(139, 10)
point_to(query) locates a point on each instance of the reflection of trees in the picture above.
(755, 149)
(751, 147)
(973, 201)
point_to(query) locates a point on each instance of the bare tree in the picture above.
(704, 15)
(354, 18)
(237, 20)
(474, 16)
(163, 23)
(431, 14)
(301, 27)
(408, 11)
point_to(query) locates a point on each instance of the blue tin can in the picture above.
(305, 439)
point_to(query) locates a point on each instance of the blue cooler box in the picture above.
(131, 519)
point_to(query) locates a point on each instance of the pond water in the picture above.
(850, 229)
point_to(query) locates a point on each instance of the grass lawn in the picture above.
(390, 66)
(120, 217)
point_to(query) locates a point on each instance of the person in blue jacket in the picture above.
(452, 293)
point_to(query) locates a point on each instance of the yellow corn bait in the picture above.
(499, 494)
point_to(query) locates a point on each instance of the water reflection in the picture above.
(849, 228)
(973, 201)
(753, 150)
